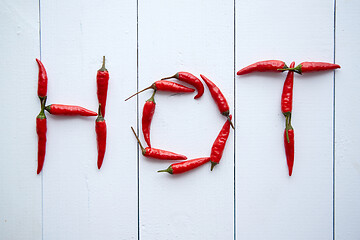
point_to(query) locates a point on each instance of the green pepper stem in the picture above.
(43, 102)
(288, 125)
(213, 164)
(103, 69)
(152, 99)
(231, 124)
(152, 86)
(138, 140)
(296, 69)
(168, 170)
(173, 76)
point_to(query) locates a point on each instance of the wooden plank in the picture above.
(196, 37)
(81, 202)
(269, 203)
(347, 139)
(20, 187)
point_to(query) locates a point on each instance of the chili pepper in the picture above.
(264, 66)
(167, 86)
(41, 132)
(60, 109)
(312, 67)
(219, 144)
(102, 80)
(289, 147)
(190, 79)
(100, 129)
(158, 153)
(287, 94)
(42, 80)
(185, 166)
(219, 98)
(148, 113)
(286, 108)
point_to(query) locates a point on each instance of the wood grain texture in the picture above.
(347, 118)
(267, 199)
(20, 187)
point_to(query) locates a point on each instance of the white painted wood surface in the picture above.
(248, 195)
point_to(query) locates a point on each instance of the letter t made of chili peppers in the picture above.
(286, 108)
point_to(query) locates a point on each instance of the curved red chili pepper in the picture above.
(60, 109)
(289, 148)
(287, 94)
(158, 153)
(100, 129)
(190, 79)
(313, 67)
(264, 66)
(177, 168)
(41, 129)
(148, 113)
(219, 98)
(219, 144)
(167, 86)
(102, 80)
(42, 80)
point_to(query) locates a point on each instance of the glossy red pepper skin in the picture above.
(148, 113)
(41, 128)
(190, 79)
(263, 66)
(60, 109)
(158, 153)
(287, 94)
(162, 154)
(313, 67)
(177, 168)
(218, 97)
(42, 80)
(102, 80)
(289, 149)
(219, 144)
(168, 86)
(100, 129)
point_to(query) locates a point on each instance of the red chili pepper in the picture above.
(60, 109)
(264, 66)
(102, 80)
(148, 113)
(219, 98)
(286, 108)
(287, 94)
(190, 79)
(167, 86)
(185, 166)
(41, 132)
(100, 129)
(289, 147)
(219, 144)
(42, 80)
(158, 153)
(312, 67)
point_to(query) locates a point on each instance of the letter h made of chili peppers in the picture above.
(71, 110)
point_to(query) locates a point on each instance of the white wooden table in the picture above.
(249, 195)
